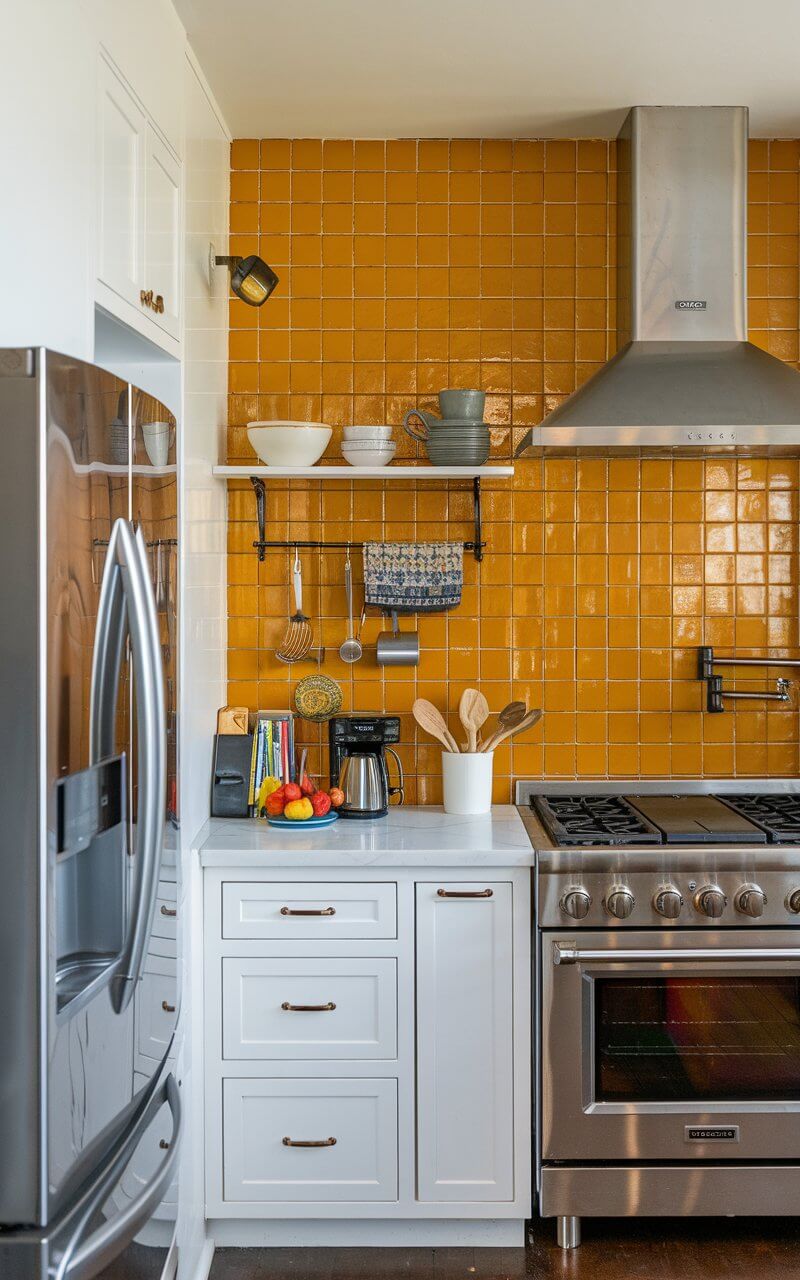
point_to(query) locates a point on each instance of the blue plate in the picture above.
(324, 821)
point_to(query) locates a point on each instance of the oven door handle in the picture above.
(565, 954)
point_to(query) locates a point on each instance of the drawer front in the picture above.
(297, 911)
(156, 1007)
(356, 1120)
(323, 1008)
(165, 915)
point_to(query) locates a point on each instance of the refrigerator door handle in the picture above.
(126, 594)
(104, 1244)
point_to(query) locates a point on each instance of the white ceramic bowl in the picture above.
(367, 433)
(377, 456)
(289, 444)
(369, 444)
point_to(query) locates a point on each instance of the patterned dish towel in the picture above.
(413, 577)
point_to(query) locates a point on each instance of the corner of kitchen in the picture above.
(400, 423)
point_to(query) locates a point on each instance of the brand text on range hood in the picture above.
(684, 375)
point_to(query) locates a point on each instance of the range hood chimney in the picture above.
(684, 376)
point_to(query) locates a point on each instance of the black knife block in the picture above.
(230, 782)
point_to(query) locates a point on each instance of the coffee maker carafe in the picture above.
(359, 746)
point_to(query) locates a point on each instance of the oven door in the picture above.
(671, 1046)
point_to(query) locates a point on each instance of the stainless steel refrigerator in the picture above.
(90, 1109)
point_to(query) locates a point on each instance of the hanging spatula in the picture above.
(298, 637)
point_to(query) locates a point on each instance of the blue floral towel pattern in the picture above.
(413, 577)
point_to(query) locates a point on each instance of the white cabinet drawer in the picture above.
(156, 1006)
(323, 1008)
(356, 1120)
(298, 911)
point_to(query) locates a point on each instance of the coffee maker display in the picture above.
(359, 746)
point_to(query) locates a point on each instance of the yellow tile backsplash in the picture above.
(407, 266)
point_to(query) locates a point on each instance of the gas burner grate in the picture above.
(594, 820)
(777, 815)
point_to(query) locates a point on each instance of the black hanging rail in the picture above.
(262, 544)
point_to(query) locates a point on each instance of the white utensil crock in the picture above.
(467, 781)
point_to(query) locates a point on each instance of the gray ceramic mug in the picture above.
(463, 404)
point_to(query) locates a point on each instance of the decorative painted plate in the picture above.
(301, 825)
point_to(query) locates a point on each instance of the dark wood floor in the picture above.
(651, 1249)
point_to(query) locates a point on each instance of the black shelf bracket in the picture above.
(262, 544)
(716, 695)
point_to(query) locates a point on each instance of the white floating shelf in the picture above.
(363, 473)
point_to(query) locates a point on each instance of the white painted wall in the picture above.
(204, 612)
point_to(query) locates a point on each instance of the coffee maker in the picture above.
(359, 746)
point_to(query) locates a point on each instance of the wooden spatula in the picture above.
(473, 710)
(429, 718)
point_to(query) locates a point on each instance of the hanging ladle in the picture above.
(350, 649)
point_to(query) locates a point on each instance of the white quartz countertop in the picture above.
(410, 836)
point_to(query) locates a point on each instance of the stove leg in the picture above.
(568, 1232)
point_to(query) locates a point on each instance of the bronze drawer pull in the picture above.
(168, 911)
(465, 893)
(308, 1008)
(319, 1142)
(164, 1145)
(317, 911)
(168, 1008)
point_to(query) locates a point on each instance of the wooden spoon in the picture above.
(527, 722)
(508, 718)
(473, 710)
(429, 718)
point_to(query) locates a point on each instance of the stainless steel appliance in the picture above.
(668, 997)
(89, 1108)
(684, 375)
(359, 746)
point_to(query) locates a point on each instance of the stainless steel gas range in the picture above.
(668, 997)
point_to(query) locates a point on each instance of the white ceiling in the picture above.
(491, 68)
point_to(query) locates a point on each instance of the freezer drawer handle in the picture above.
(82, 1261)
(321, 911)
(306, 1142)
(308, 1008)
(127, 603)
(168, 1008)
(576, 955)
(465, 893)
(168, 911)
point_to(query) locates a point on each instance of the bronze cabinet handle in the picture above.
(308, 1142)
(317, 911)
(465, 893)
(168, 1008)
(168, 911)
(308, 1008)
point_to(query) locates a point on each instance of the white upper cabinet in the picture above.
(122, 139)
(162, 225)
(139, 215)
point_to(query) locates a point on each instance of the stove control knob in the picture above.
(667, 901)
(620, 902)
(576, 902)
(793, 902)
(750, 900)
(710, 901)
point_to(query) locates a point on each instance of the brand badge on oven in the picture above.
(711, 1133)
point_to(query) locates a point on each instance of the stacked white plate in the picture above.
(366, 446)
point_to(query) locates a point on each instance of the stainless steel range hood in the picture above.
(684, 376)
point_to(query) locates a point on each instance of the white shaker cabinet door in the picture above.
(122, 143)
(465, 1081)
(162, 226)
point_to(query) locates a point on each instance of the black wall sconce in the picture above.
(252, 279)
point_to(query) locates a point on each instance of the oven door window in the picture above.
(712, 1039)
